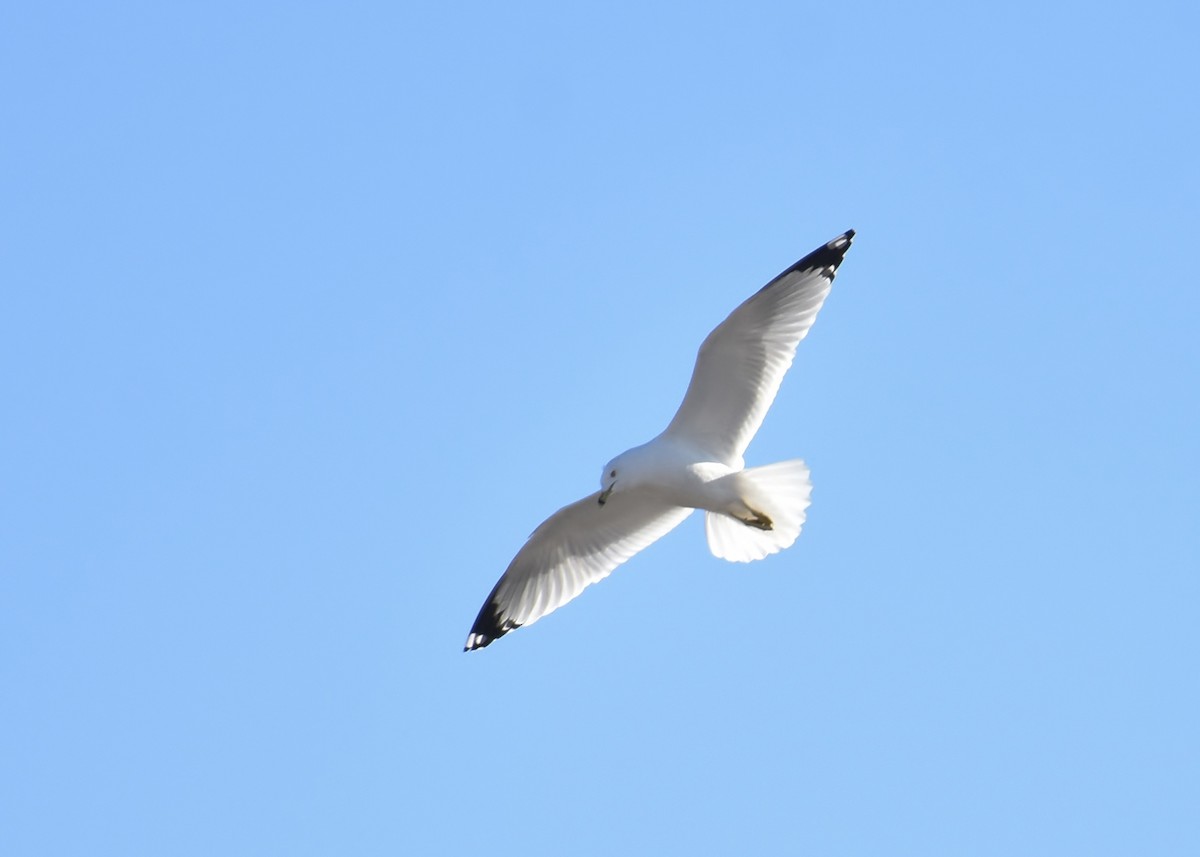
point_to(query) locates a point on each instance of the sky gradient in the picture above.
(310, 314)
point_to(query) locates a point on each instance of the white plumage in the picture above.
(696, 463)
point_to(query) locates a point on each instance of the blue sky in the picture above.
(311, 313)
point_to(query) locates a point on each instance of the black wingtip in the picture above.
(827, 256)
(489, 626)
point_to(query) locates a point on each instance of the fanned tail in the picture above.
(779, 494)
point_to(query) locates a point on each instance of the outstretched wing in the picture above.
(743, 361)
(575, 547)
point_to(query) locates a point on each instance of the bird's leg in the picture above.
(757, 520)
(748, 515)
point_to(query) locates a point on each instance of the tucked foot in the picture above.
(758, 520)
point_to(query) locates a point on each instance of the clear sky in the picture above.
(310, 313)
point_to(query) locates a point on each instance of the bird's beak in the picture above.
(603, 498)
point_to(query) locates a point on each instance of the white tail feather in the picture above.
(780, 492)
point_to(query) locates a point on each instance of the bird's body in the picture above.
(674, 472)
(696, 463)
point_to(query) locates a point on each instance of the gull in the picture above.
(696, 463)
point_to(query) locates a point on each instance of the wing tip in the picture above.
(475, 641)
(488, 627)
(825, 258)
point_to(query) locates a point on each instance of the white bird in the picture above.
(696, 463)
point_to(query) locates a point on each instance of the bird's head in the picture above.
(609, 478)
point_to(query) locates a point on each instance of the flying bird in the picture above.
(696, 463)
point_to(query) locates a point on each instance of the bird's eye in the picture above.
(613, 475)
